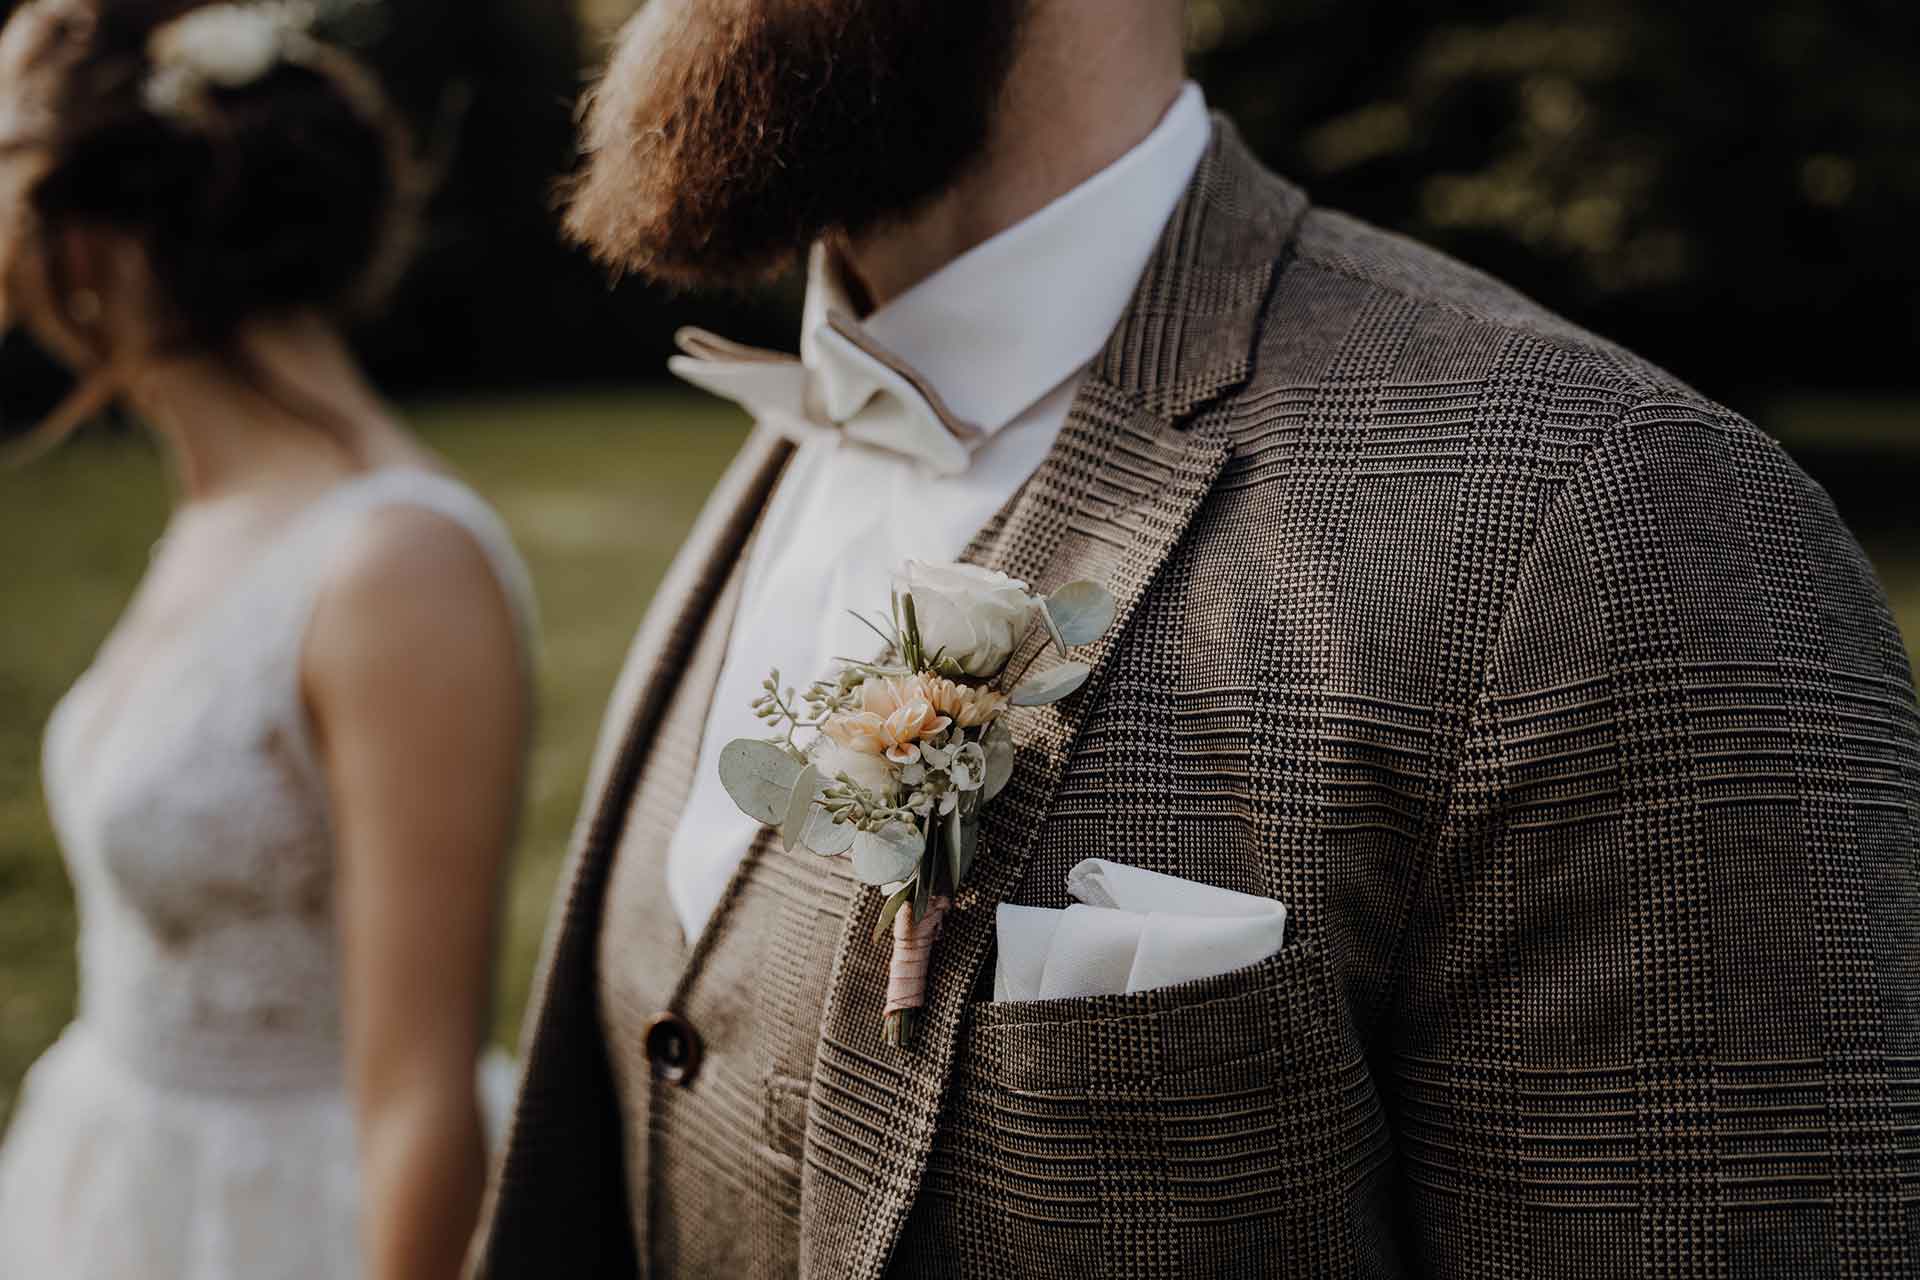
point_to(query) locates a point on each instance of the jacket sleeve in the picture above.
(1661, 1004)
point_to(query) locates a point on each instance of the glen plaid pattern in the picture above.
(1557, 705)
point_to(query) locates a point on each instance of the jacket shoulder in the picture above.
(1425, 318)
(1386, 370)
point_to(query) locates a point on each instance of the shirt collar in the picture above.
(1011, 319)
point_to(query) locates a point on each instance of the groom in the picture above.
(1555, 704)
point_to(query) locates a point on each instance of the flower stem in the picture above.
(792, 717)
(916, 653)
(1025, 667)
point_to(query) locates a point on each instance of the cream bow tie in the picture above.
(853, 386)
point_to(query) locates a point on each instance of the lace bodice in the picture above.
(194, 819)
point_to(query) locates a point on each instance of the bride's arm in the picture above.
(414, 679)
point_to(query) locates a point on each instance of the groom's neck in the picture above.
(1092, 78)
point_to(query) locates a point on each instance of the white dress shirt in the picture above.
(1004, 334)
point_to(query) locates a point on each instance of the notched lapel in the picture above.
(1080, 517)
(659, 653)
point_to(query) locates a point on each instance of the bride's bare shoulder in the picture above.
(412, 617)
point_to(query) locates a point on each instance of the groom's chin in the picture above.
(728, 135)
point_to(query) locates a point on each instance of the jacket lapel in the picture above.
(659, 652)
(1112, 501)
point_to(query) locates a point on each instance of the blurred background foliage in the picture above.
(497, 299)
(1731, 189)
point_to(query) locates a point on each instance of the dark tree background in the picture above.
(1730, 188)
(497, 298)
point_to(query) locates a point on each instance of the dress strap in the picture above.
(331, 522)
(342, 511)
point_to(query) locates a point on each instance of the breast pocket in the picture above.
(1222, 1127)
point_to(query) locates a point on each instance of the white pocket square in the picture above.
(1131, 930)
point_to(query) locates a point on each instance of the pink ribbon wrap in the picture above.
(913, 954)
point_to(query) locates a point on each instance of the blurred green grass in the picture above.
(598, 490)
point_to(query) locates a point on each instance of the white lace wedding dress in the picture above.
(192, 1123)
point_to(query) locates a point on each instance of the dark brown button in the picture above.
(673, 1048)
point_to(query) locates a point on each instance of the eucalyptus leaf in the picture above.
(998, 744)
(799, 804)
(889, 854)
(822, 835)
(963, 837)
(1080, 612)
(891, 908)
(760, 777)
(1051, 685)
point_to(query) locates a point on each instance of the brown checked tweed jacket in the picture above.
(1557, 705)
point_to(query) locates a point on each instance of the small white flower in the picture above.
(974, 618)
(969, 768)
(870, 771)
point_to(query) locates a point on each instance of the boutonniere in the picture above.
(888, 763)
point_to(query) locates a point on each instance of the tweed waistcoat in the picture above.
(753, 987)
(1556, 704)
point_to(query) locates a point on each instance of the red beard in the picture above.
(728, 135)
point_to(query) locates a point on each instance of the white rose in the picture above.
(975, 618)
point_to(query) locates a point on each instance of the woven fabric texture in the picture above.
(1557, 705)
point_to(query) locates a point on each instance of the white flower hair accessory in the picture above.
(226, 46)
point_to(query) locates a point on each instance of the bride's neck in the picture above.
(287, 407)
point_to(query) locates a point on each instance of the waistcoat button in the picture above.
(673, 1048)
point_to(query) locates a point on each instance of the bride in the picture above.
(286, 786)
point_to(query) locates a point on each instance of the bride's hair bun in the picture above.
(263, 169)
